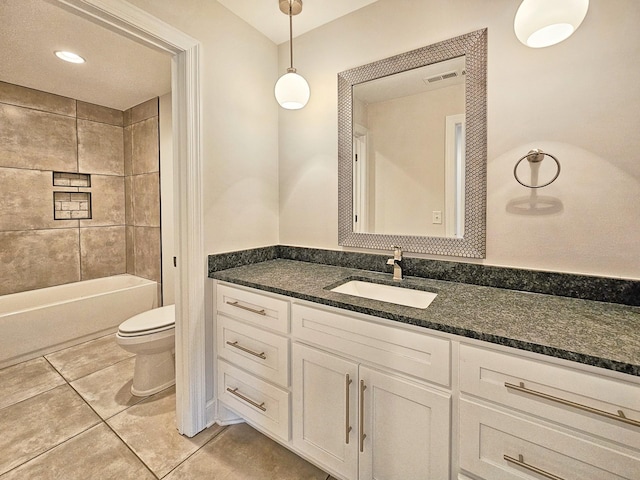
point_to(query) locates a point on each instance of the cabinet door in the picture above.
(325, 389)
(406, 429)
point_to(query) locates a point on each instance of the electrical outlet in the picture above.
(437, 216)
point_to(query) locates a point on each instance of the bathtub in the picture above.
(42, 321)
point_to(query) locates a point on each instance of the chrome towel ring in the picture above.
(536, 156)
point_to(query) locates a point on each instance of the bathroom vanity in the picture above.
(484, 383)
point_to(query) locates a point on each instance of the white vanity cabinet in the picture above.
(526, 419)
(357, 419)
(253, 358)
(366, 398)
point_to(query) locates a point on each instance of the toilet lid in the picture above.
(157, 319)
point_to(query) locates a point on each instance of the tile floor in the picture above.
(70, 415)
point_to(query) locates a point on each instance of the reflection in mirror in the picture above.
(412, 150)
(408, 140)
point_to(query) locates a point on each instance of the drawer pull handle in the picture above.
(520, 462)
(234, 391)
(252, 310)
(348, 428)
(363, 435)
(620, 416)
(245, 349)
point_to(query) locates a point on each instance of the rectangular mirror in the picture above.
(412, 150)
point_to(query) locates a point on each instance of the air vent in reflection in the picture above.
(442, 76)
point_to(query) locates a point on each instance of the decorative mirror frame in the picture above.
(473, 242)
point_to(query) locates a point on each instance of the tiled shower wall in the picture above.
(40, 134)
(142, 187)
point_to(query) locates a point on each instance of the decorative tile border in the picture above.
(603, 289)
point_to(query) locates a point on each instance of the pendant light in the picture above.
(292, 90)
(541, 23)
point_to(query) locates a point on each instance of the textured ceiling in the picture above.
(119, 73)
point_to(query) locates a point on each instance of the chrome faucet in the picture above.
(396, 261)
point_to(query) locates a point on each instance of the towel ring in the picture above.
(536, 156)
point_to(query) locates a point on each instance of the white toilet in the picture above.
(151, 336)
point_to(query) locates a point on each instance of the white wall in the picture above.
(578, 100)
(239, 131)
(239, 123)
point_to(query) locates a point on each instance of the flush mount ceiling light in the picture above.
(69, 56)
(541, 23)
(292, 90)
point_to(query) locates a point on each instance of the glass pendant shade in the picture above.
(292, 91)
(541, 23)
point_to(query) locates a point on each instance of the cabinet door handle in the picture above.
(363, 435)
(347, 427)
(234, 391)
(249, 309)
(521, 463)
(620, 416)
(245, 349)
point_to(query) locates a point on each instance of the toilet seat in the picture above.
(146, 323)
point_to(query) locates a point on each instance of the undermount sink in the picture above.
(387, 293)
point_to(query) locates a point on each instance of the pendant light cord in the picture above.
(291, 36)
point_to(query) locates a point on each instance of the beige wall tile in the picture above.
(27, 201)
(131, 257)
(144, 110)
(147, 253)
(36, 99)
(107, 201)
(128, 162)
(38, 259)
(145, 147)
(128, 200)
(100, 148)
(146, 200)
(34, 426)
(38, 140)
(103, 251)
(98, 113)
(127, 117)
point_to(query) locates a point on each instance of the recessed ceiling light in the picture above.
(69, 56)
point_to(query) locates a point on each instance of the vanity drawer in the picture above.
(581, 400)
(264, 353)
(410, 352)
(488, 435)
(261, 310)
(256, 401)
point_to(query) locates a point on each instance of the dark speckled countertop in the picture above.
(602, 334)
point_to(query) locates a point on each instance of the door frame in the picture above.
(128, 20)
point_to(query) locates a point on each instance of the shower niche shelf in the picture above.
(71, 205)
(63, 179)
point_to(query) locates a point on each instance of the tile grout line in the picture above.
(222, 430)
(104, 421)
(39, 393)
(50, 449)
(67, 439)
(127, 445)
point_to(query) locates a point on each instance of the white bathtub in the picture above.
(42, 321)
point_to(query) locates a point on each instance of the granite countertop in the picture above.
(602, 334)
